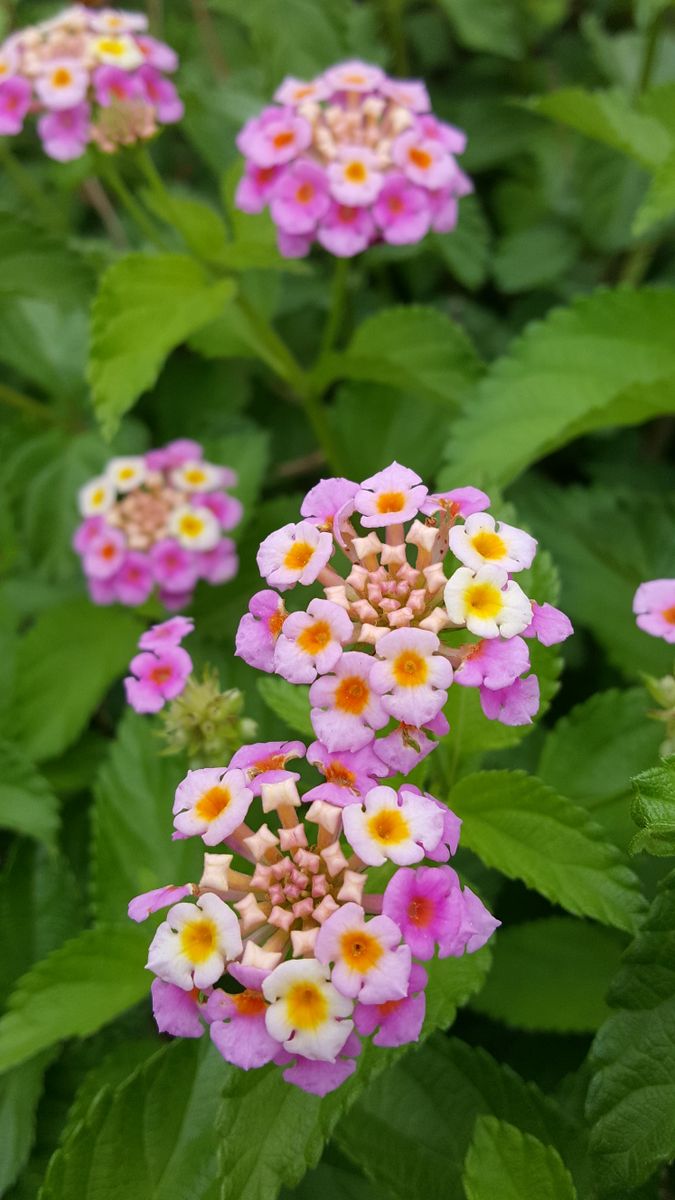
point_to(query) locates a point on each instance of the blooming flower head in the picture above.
(157, 677)
(284, 957)
(654, 607)
(165, 514)
(90, 77)
(350, 158)
(402, 614)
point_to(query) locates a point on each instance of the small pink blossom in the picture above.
(161, 94)
(62, 85)
(310, 643)
(548, 625)
(259, 629)
(296, 553)
(390, 496)
(65, 133)
(369, 962)
(320, 1078)
(402, 211)
(444, 210)
(293, 245)
(175, 1011)
(156, 678)
(409, 93)
(86, 533)
(143, 906)
(175, 567)
(265, 762)
(112, 84)
(425, 161)
(292, 92)
(345, 231)
(478, 925)
(274, 137)
(105, 554)
(460, 501)
(398, 1022)
(346, 710)
(348, 774)
(134, 581)
(219, 564)
(353, 76)
(354, 178)
(238, 1028)
(512, 705)
(412, 678)
(15, 97)
(493, 663)
(654, 606)
(227, 509)
(426, 905)
(168, 633)
(300, 198)
(157, 54)
(452, 138)
(211, 803)
(256, 187)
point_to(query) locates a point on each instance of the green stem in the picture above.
(29, 189)
(136, 212)
(336, 309)
(317, 416)
(29, 408)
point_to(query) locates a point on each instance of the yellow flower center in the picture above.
(194, 476)
(306, 1005)
(410, 669)
(298, 555)
(126, 473)
(61, 77)
(389, 827)
(390, 502)
(98, 496)
(360, 950)
(315, 637)
(352, 695)
(213, 803)
(199, 939)
(191, 526)
(483, 600)
(488, 544)
(111, 46)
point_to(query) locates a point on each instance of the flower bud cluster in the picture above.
(92, 76)
(350, 158)
(157, 520)
(282, 950)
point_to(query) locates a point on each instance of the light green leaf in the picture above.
(659, 203)
(551, 974)
(525, 830)
(65, 665)
(607, 116)
(75, 991)
(559, 377)
(247, 453)
(654, 810)
(27, 803)
(200, 226)
(412, 1127)
(146, 306)
(631, 1099)
(289, 702)
(503, 1161)
(415, 349)
(152, 1138)
(132, 822)
(273, 1133)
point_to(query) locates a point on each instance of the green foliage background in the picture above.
(531, 352)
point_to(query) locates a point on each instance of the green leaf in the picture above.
(466, 251)
(200, 226)
(152, 1138)
(659, 203)
(559, 377)
(308, 39)
(145, 307)
(412, 1128)
(39, 265)
(289, 702)
(533, 257)
(65, 665)
(490, 25)
(45, 343)
(132, 822)
(27, 803)
(20, 1092)
(386, 433)
(503, 1161)
(248, 454)
(525, 830)
(607, 116)
(75, 991)
(653, 810)
(272, 1133)
(415, 349)
(631, 1099)
(567, 965)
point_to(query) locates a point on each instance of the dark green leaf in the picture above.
(654, 810)
(289, 702)
(27, 803)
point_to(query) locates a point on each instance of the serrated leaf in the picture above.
(607, 116)
(273, 1133)
(410, 1131)
(45, 343)
(525, 830)
(567, 965)
(559, 377)
(38, 264)
(145, 307)
(27, 803)
(503, 1161)
(631, 1099)
(132, 849)
(289, 702)
(653, 810)
(152, 1138)
(75, 991)
(77, 643)
(200, 226)
(414, 349)
(20, 1091)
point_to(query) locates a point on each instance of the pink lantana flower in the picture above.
(161, 94)
(191, 947)
(296, 553)
(412, 677)
(238, 1028)
(134, 581)
(462, 501)
(300, 199)
(141, 907)
(403, 211)
(353, 178)
(427, 906)
(512, 705)
(654, 606)
(15, 99)
(480, 541)
(390, 497)
(275, 137)
(176, 1011)
(399, 827)
(211, 803)
(168, 633)
(345, 231)
(354, 76)
(493, 663)
(346, 710)
(423, 160)
(265, 763)
(548, 625)
(156, 678)
(329, 497)
(174, 566)
(62, 85)
(398, 1022)
(259, 629)
(369, 962)
(256, 187)
(105, 554)
(311, 643)
(320, 1078)
(65, 132)
(348, 774)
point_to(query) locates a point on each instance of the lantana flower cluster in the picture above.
(289, 957)
(157, 519)
(91, 76)
(405, 574)
(161, 670)
(654, 608)
(350, 158)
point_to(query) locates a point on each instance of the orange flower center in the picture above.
(298, 555)
(61, 77)
(108, 551)
(315, 637)
(275, 622)
(352, 695)
(669, 615)
(389, 827)
(249, 1003)
(198, 940)
(395, 204)
(356, 172)
(346, 215)
(420, 158)
(390, 502)
(275, 762)
(360, 950)
(285, 138)
(410, 669)
(304, 193)
(336, 773)
(160, 674)
(420, 911)
(213, 803)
